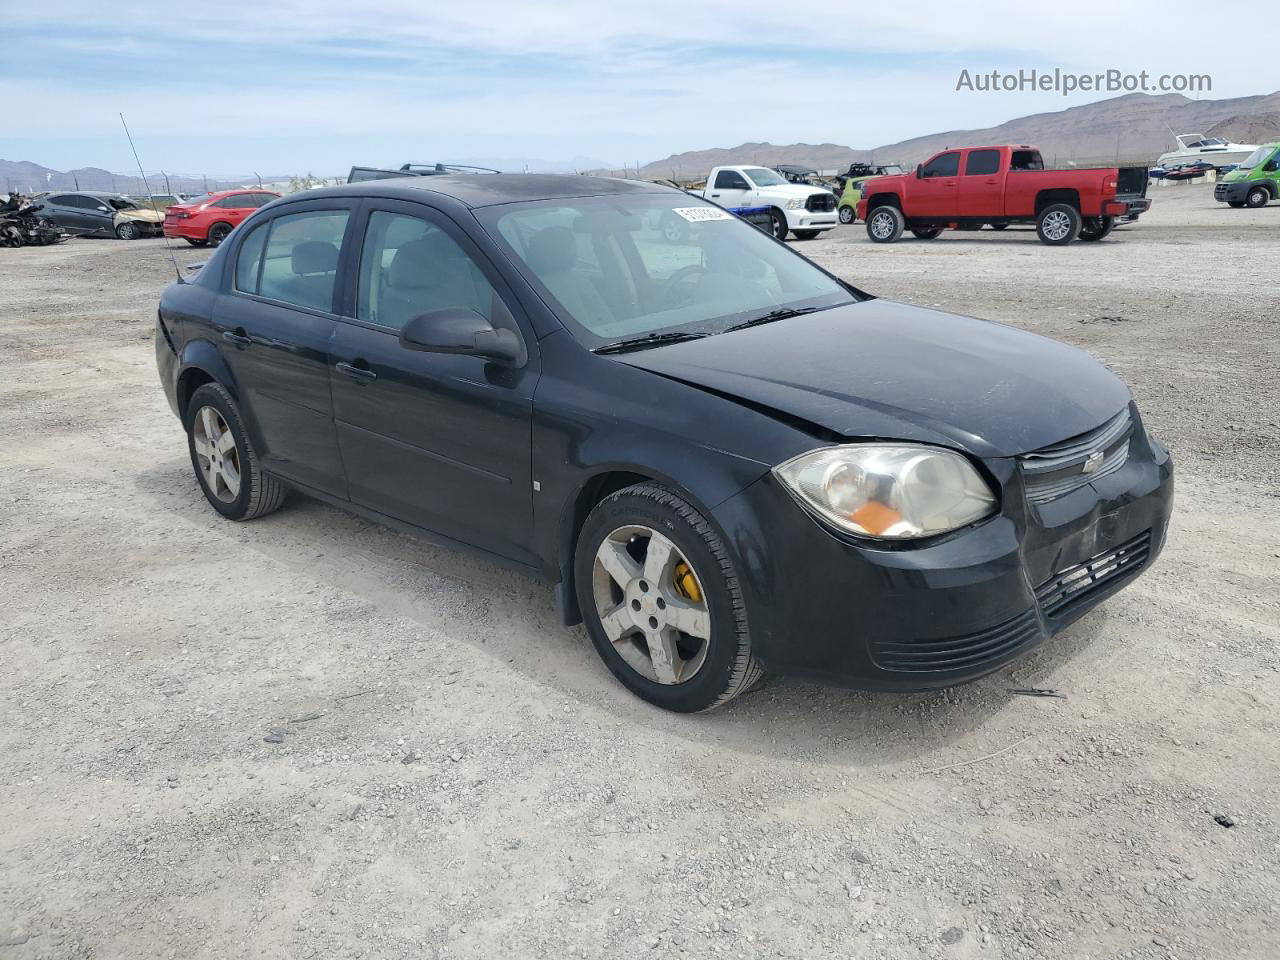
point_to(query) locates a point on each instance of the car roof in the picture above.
(491, 189)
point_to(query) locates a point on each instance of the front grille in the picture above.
(1074, 584)
(821, 203)
(1055, 471)
(1220, 192)
(958, 653)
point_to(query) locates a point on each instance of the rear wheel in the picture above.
(196, 243)
(1257, 197)
(807, 234)
(661, 601)
(224, 460)
(926, 233)
(848, 214)
(1058, 224)
(218, 232)
(885, 224)
(128, 231)
(778, 224)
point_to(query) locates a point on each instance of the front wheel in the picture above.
(661, 601)
(1257, 197)
(1096, 228)
(848, 214)
(224, 460)
(807, 234)
(926, 233)
(128, 231)
(1058, 224)
(1235, 203)
(885, 224)
(218, 232)
(778, 224)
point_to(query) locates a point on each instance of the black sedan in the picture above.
(726, 459)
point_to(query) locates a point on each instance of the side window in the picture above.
(234, 202)
(731, 180)
(982, 162)
(410, 266)
(60, 201)
(300, 263)
(943, 165)
(249, 259)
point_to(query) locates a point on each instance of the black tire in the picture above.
(128, 231)
(926, 233)
(1097, 228)
(728, 668)
(218, 232)
(848, 214)
(1058, 224)
(1235, 203)
(196, 243)
(259, 493)
(885, 224)
(1257, 197)
(806, 234)
(998, 226)
(778, 223)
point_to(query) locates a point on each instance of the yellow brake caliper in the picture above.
(686, 583)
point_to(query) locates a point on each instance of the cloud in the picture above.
(624, 81)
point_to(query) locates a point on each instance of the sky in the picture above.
(293, 86)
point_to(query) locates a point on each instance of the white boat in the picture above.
(1196, 146)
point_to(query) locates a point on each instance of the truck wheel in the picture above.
(885, 224)
(806, 234)
(1058, 224)
(1257, 197)
(778, 219)
(1095, 228)
(848, 214)
(926, 233)
(128, 231)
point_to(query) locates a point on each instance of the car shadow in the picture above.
(510, 617)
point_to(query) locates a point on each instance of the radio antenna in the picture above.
(151, 197)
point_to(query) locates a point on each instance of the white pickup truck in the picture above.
(794, 207)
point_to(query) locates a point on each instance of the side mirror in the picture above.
(919, 171)
(1272, 165)
(458, 330)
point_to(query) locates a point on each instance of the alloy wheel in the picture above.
(882, 225)
(846, 214)
(1056, 225)
(217, 454)
(651, 604)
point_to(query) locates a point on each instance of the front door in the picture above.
(730, 189)
(440, 441)
(934, 194)
(274, 330)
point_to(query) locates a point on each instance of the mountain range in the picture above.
(1135, 128)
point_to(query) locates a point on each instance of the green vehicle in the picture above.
(854, 178)
(1255, 183)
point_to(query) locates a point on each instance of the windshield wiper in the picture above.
(649, 340)
(785, 313)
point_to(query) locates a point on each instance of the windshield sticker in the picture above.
(701, 214)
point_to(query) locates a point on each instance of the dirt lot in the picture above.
(458, 776)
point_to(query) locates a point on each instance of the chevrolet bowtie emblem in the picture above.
(1093, 461)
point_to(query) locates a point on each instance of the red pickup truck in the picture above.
(971, 186)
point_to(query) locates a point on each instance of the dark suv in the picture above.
(724, 457)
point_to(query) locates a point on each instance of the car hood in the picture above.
(1235, 176)
(884, 370)
(142, 216)
(801, 190)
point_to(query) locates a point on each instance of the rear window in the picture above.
(294, 258)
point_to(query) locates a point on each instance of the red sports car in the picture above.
(208, 220)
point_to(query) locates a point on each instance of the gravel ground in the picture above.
(310, 736)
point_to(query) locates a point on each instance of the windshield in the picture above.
(621, 267)
(1256, 158)
(762, 177)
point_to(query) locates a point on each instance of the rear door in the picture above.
(235, 208)
(982, 184)
(440, 441)
(274, 329)
(935, 193)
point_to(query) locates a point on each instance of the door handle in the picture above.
(358, 374)
(240, 340)
(715, 194)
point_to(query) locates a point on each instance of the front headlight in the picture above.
(796, 204)
(889, 491)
